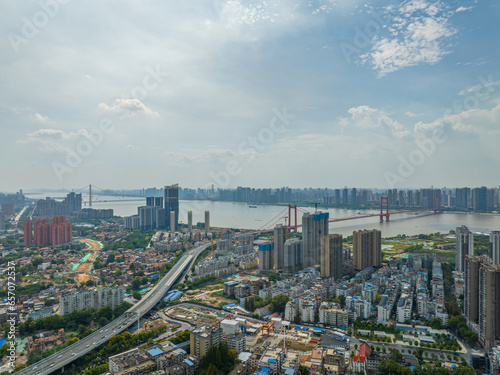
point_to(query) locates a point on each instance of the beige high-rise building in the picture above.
(331, 256)
(471, 287)
(366, 249)
(202, 339)
(482, 305)
(489, 305)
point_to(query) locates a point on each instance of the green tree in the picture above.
(212, 370)
(110, 258)
(303, 370)
(137, 296)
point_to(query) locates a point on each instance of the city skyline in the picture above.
(387, 95)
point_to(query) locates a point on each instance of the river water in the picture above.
(241, 215)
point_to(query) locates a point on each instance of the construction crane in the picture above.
(268, 327)
(229, 316)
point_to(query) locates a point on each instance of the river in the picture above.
(240, 215)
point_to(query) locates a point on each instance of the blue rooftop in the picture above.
(155, 352)
(270, 360)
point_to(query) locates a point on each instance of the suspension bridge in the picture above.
(383, 214)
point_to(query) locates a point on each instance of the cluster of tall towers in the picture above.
(481, 285)
(318, 247)
(41, 232)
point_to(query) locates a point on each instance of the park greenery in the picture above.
(219, 360)
(276, 304)
(391, 367)
(179, 337)
(134, 240)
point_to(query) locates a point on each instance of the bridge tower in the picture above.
(382, 214)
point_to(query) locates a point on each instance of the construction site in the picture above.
(83, 268)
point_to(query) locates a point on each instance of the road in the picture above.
(67, 355)
(18, 216)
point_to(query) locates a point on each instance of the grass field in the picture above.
(401, 247)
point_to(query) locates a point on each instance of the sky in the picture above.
(320, 93)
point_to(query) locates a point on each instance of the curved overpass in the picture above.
(99, 337)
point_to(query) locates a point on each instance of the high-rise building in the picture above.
(481, 302)
(345, 197)
(366, 248)
(190, 221)
(337, 200)
(313, 227)
(495, 246)
(265, 256)
(133, 222)
(331, 256)
(146, 217)
(479, 198)
(489, 305)
(150, 217)
(202, 339)
(471, 287)
(292, 255)
(354, 197)
(45, 233)
(464, 246)
(280, 234)
(207, 222)
(171, 204)
(28, 234)
(172, 222)
(462, 198)
(93, 298)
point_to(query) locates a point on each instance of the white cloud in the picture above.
(365, 117)
(128, 105)
(41, 118)
(463, 9)
(54, 140)
(477, 122)
(411, 114)
(417, 35)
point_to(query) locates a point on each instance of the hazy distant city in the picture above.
(239, 187)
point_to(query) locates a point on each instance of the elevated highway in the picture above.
(67, 355)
